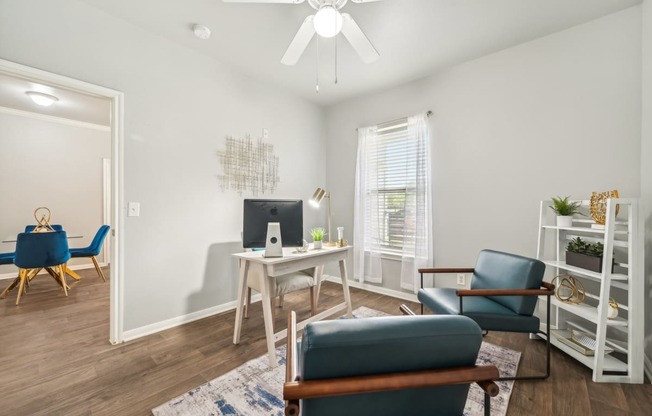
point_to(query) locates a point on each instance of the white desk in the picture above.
(291, 261)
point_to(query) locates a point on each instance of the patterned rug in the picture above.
(254, 389)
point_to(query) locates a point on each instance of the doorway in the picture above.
(113, 184)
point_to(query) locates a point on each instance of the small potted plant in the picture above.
(565, 210)
(585, 255)
(317, 235)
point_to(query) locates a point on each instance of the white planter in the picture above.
(564, 220)
(316, 244)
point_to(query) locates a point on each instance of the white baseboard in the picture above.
(132, 334)
(375, 289)
(5, 276)
(648, 368)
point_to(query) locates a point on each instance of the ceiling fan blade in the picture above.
(264, 1)
(358, 40)
(300, 42)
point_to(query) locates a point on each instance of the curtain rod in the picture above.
(428, 114)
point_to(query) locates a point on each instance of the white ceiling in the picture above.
(415, 38)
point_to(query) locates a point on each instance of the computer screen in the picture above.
(259, 212)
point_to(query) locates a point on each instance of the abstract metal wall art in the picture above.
(248, 166)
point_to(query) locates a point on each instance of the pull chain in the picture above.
(336, 59)
(317, 84)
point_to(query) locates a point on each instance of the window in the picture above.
(392, 213)
(390, 160)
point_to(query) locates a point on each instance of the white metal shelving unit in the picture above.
(622, 245)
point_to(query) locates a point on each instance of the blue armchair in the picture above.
(503, 296)
(385, 366)
(35, 251)
(93, 249)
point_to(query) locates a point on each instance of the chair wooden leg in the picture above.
(21, 275)
(313, 304)
(247, 303)
(280, 301)
(97, 267)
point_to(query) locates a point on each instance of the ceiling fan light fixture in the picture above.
(40, 98)
(328, 21)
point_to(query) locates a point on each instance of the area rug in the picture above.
(254, 389)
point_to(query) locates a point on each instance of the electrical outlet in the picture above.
(265, 134)
(461, 279)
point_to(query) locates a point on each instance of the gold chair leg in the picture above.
(97, 267)
(10, 287)
(62, 276)
(21, 275)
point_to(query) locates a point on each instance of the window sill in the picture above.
(386, 255)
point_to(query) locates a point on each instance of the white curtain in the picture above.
(367, 266)
(417, 245)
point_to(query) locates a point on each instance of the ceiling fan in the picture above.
(326, 22)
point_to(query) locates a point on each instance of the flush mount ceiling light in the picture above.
(201, 31)
(40, 98)
(327, 22)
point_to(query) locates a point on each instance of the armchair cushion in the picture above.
(357, 347)
(490, 315)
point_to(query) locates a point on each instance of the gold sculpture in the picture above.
(569, 289)
(598, 205)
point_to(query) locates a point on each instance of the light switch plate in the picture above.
(134, 209)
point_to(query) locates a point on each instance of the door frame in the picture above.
(116, 292)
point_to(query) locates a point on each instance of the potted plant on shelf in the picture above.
(585, 255)
(565, 210)
(317, 235)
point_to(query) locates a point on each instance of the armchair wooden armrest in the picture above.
(447, 270)
(548, 291)
(295, 389)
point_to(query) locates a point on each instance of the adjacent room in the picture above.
(324, 207)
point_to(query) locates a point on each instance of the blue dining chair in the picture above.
(55, 227)
(35, 251)
(93, 249)
(7, 258)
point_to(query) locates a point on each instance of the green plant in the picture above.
(564, 207)
(317, 234)
(577, 245)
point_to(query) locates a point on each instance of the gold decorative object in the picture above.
(598, 205)
(42, 216)
(569, 289)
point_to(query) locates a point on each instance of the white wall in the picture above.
(59, 166)
(646, 172)
(556, 116)
(179, 107)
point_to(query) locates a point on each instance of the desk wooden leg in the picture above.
(242, 289)
(268, 318)
(345, 288)
(319, 273)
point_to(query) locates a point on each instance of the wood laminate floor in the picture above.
(55, 358)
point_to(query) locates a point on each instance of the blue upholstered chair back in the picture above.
(98, 240)
(497, 270)
(357, 347)
(7, 258)
(55, 227)
(34, 250)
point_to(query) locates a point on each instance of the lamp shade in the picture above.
(328, 21)
(319, 194)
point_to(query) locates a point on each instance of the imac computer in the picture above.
(272, 224)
